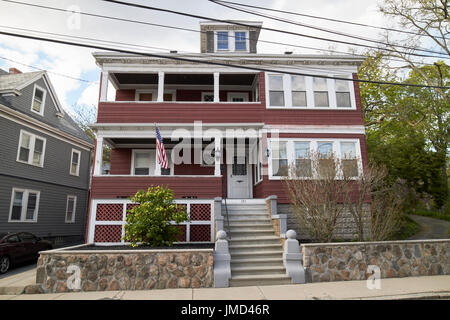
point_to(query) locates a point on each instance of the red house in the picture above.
(228, 131)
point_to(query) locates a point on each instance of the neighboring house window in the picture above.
(279, 158)
(240, 43)
(142, 163)
(75, 162)
(349, 160)
(70, 209)
(222, 40)
(303, 159)
(342, 94)
(24, 205)
(31, 149)
(276, 93)
(207, 96)
(38, 101)
(298, 86)
(321, 92)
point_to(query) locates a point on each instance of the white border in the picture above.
(73, 209)
(77, 173)
(23, 214)
(41, 113)
(32, 144)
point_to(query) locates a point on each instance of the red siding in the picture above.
(125, 95)
(116, 187)
(120, 161)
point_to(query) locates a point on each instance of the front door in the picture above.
(239, 178)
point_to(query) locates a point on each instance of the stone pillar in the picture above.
(98, 156)
(292, 258)
(218, 213)
(216, 86)
(222, 258)
(160, 86)
(273, 210)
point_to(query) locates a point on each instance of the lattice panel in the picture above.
(201, 212)
(182, 235)
(109, 212)
(108, 233)
(131, 206)
(200, 232)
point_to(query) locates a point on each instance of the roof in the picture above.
(15, 82)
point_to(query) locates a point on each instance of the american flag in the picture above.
(162, 158)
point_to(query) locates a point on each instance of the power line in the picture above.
(154, 55)
(329, 19)
(55, 73)
(183, 29)
(325, 29)
(263, 28)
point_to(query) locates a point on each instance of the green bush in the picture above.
(149, 223)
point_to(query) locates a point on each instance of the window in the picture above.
(342, 94)
(258, 163)
(24, 205)
(75, 162)
(222, 40)
(70, 209)
(169, 170)
(31, 149)
(240, 41)
(279, 158)
(239, 167)
(303, 159)
(27, 237)
(349, 160)
(207, 96)
(37, 105)
(276, 92)
(320, 92)
(237, 96)
(326, 165)
(298, 86)
(142, 162)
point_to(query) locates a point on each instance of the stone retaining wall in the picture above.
(349, 261)
(101, 270)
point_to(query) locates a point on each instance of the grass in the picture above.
(432, 214)
(408, 229)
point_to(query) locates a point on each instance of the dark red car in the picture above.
(20, 247)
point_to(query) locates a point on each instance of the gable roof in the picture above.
(15, 82)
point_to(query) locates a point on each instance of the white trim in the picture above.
(33, 138)
(231, 95)
(154, 93)
(133, 155)
(73, 209)
(23, 213)
(104, 86)
(344, 129)
(77, 172)
(43, 128)
(231, 41)
(44, 95)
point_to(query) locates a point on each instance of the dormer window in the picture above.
(222, 40)
(38, 101)
(240, 41)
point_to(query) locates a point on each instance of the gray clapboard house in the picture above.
(44, 161)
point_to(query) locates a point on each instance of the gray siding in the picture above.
(56, 160)
(52, 209)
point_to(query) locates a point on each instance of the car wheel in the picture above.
(5, 263)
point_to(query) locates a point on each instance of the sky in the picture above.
(79, 63)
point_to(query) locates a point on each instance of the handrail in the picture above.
(224, 196)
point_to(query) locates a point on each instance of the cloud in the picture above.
(89, 96)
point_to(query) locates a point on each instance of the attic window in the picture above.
(222, 40)
(38, 101)
(240, 41)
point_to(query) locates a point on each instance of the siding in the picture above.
(52, 209)
(120, 161)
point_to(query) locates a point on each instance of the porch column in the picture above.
(98, 156)
(216, 86)
(217, 151)
(104, 88)
(160, 86)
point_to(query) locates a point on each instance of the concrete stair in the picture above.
(256, 252)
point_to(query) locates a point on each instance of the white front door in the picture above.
(239, 178)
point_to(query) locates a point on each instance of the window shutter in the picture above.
(252, 38)
(209, 41)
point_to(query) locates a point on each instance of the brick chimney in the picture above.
(14, 71)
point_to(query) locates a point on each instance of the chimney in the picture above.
(14, 71)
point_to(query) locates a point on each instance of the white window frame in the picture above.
(247, 40)
(232, 41)
(287, 89)
(32, 144)
(41, 113)
(257, 171)
(73, 209)
(290, 150)
(133, 155)
(154, 93)
(243, 95)
(77, 173)
(23, 214)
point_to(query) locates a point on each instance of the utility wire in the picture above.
(325, 29)
(185, 29)
(55, 73)
(223, 64)
(327, 19)
(262, 28)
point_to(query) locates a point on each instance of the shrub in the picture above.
(149, 223)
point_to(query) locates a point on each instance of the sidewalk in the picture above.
(433, 287)
(14, 281)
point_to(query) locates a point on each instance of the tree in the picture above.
(150, 222)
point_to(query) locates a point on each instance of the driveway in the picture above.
(15, 280)
(430, 228)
